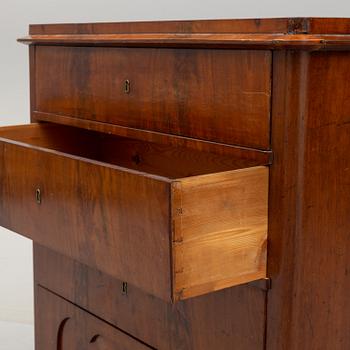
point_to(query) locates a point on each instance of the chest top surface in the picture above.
(304, 33)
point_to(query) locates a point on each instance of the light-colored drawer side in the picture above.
(219, 230)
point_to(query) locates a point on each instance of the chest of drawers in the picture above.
(185, 184)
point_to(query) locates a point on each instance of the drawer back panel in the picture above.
(216, 95)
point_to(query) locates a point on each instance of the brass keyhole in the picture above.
(127, 86)
(38, 195)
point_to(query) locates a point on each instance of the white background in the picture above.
(16, 306)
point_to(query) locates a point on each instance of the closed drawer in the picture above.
(207, 322)
(61, 325)
(167, 221)
(216, 95)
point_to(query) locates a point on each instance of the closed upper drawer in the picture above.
(174, 222)
(217, 95)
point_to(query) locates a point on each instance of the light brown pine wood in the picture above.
(219, 230)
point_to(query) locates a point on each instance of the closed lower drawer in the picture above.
(63, 326)
(170, 222)
(233, 318)
(216, 95)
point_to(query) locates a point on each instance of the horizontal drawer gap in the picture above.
(146, 135)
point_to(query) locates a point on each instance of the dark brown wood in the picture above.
(277, 25)
(308, 305)
(230, 319)
(235, 26)
(329, 25)
(62, 326)
(215, 95)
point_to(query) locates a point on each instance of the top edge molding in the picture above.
(296, 25)
(268, 33)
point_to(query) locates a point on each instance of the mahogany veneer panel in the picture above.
(136, 226)
(217, 95)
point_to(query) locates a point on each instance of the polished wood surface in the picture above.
(215, 95)
(297, 33)
(219, 230)
(219, 151)
(99, 199)
(308, 306)
(151, 155)
(239, 26)
(62, 326)
(229, 319)
(213, 41)
(89, 210)
(265, 25)
(162, 155)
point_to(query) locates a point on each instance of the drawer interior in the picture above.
(161, 159)
(175, 221)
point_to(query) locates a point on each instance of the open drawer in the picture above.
(176, 223)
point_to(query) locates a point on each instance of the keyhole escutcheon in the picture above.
(127, 86)
(38, 195)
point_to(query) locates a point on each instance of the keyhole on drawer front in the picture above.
(127, 86)
(124, 288)
(38, 195)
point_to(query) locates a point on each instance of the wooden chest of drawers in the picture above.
(186, 184)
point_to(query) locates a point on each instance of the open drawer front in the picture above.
(175, 223)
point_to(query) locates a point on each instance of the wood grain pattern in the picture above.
(220, 230)
(239, 26)
(265, 25)
(250, 155)
(309, 42)
(215, 95)
(296, 33)
(198, 91)
(162, 156)
(111, 218)
(108, 205)
(308, 306)
(229, 319)
(62, 326)
(329, 25)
